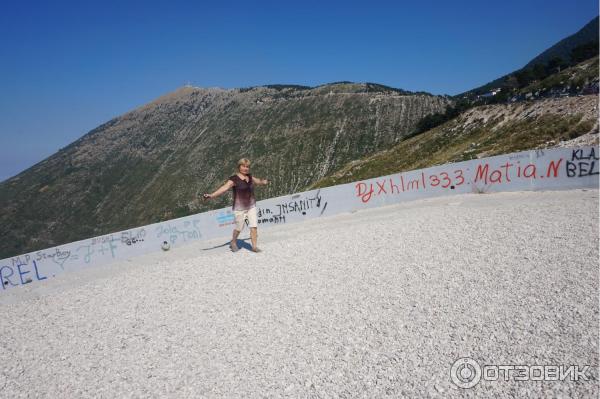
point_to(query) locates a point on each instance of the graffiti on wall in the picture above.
(177, 234)
(225, 218)
(299, 204)
(526, 170)
(36, 266)
(20, 272)
(582, 162)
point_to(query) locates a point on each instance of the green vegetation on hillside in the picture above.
(539, 82)
(458, 140)
(574, 78)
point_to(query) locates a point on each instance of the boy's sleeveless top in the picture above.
(243, 193)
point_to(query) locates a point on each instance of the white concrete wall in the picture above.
(553, 169)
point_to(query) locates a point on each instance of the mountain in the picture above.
(148, 164)
(563, 49)
(567, 52)
(483, 131)
(560, 109)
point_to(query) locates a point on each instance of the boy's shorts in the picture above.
(241, 216)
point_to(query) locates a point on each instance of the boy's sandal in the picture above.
(256, 250)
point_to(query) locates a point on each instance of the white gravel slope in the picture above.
(371, 304)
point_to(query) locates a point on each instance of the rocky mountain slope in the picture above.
(148, 164)
(482, 132)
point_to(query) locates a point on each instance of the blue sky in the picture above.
(67, 67)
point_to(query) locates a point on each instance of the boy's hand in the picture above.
(206, 196)
(266, 181)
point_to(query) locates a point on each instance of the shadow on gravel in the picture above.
(244, 244)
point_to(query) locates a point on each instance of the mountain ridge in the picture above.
(149, 164)
(561, 49)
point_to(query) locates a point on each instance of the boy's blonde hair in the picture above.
(243, 161)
